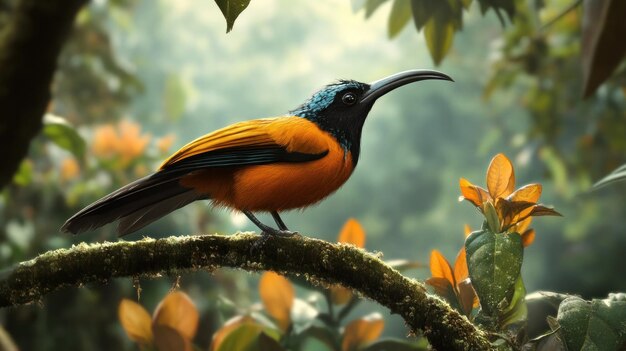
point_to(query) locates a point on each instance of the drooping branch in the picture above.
(317, 260)
(30, 43)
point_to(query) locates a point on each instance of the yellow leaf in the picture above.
(277, 295)
(473, 193)
(340, 295)
(227, 328)
(352, 233)
(528, 237)
(361, 331)
(527, 193)
(135, 321)
(440, 268)
(460, 266)
(168, 339)
(500, 177)
(178, 312)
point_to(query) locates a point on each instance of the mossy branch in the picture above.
(317, 260)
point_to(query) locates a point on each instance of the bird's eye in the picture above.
(349, 98)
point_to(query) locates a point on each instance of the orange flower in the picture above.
(165, 143)
(503, 207)
(453, 285)
(124, 141)
(172, 326)
(131, 143)
(105, 141)
(69, 169)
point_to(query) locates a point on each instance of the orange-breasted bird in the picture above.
(262, 165)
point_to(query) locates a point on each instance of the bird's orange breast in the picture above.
(280, 186)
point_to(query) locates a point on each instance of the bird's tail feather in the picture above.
(135, 205)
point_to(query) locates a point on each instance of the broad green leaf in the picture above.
(24, 174)
(371, 6)
(246, 337)
(398, 17)
(494, 262)
(541, 305)
(603, 44)
(592, 325)
(63, 135)
(421, 12)
(517, 312)
(439, 35)
(174, 97)
(231, 9)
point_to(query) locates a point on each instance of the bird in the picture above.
(266, 165)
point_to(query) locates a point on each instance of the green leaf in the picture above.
(494, 262)
(371, 6)
(439, 29)
(616, 176)
(231, 9)
(592, 325)
(174, 97)
(508, 6)
(491, 216)
(603, 44)
(63, 135)
(316, 338)
(541, 305)
(517, 312)
(398, 17)
(421, 12)
(24, 174)
(246, 337)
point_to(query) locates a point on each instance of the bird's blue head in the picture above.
(341, 108)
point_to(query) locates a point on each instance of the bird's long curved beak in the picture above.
(387, 84)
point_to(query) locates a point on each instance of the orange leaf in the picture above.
(528, 237)
(178, 312)
(510, 212)
(352, 233)
(277, 295)
(460, 267)
(473, 193)
(135, 321)
(228, 327)
(361, 331)
(541, 210)
(168, 339)
(523, 225)
(527, 193)
(340, 295)
(443, 288)
(500, 177)
(467, 296)
(440, 268)
(467, 230)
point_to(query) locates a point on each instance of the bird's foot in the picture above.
(269, 233)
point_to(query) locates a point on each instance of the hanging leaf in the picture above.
(494, 262)
(371, 6)
(178, 312)
(352, 233)
(603, 44)
(362, 331)
(439, 35)
(60, 132)
(277, 295)
(592, 325)
(231, 9)
(136, 322)
(398, 17)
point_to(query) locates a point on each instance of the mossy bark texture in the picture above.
(318, 261)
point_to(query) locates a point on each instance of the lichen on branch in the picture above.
(319, 261)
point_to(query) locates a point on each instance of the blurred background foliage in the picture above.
(140, 78)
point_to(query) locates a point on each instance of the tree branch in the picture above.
(30, 44)
(317, 260)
